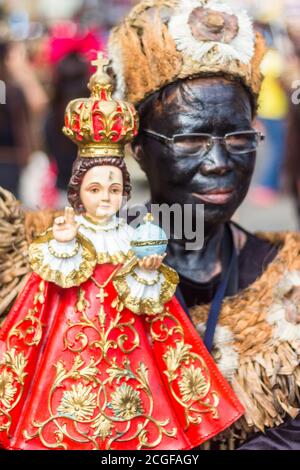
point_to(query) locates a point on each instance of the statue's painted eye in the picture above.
(116, 190)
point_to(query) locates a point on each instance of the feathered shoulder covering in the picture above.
(257, 343)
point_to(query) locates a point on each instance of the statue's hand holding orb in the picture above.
(151, 263)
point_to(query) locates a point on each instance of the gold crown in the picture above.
(100, 126)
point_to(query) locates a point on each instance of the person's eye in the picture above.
(94, 190)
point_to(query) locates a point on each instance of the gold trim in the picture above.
(12, 377)
(188, 376)
(117, 258)
(149, 305)
(148, 218)
(149, 243)
(106, 150)
(170, 274)
(64, 255)
(45, 237)
(90, 401)
(101, 257)
(102, 406)
(104, 284)
(14, 361)
(102, 296)
(77, 276)
(143, 281)
(128, 266)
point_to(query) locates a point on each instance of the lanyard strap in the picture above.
(227, 287)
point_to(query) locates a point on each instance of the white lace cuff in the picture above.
(66, 264)
(145, 291)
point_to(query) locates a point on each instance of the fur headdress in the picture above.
(161, 41)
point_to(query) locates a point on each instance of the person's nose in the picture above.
(216, 161)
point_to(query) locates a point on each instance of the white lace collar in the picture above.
(113, 223)
(111, 240)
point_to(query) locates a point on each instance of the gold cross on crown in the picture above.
(101, 62)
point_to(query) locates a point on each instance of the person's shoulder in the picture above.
(255, 253)
(245, 239)
(262, 249)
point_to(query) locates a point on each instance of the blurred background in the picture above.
(45, 51)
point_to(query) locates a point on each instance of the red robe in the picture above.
(79, 372)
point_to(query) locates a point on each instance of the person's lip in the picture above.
(216, 196)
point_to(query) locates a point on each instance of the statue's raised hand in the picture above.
(65, 228)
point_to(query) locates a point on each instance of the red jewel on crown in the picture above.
(100, 125)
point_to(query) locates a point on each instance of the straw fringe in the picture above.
(260, 50)
(14, 263)
(147, 53)
(267, 378)
(17, 230)
(38, 222)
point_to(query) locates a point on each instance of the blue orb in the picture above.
(149, 240)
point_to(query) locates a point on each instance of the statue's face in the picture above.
(219, 180)
(101, 192)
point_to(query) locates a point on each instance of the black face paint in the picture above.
(213, 106)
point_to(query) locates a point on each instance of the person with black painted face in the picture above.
(192, 68)
(205, 169)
